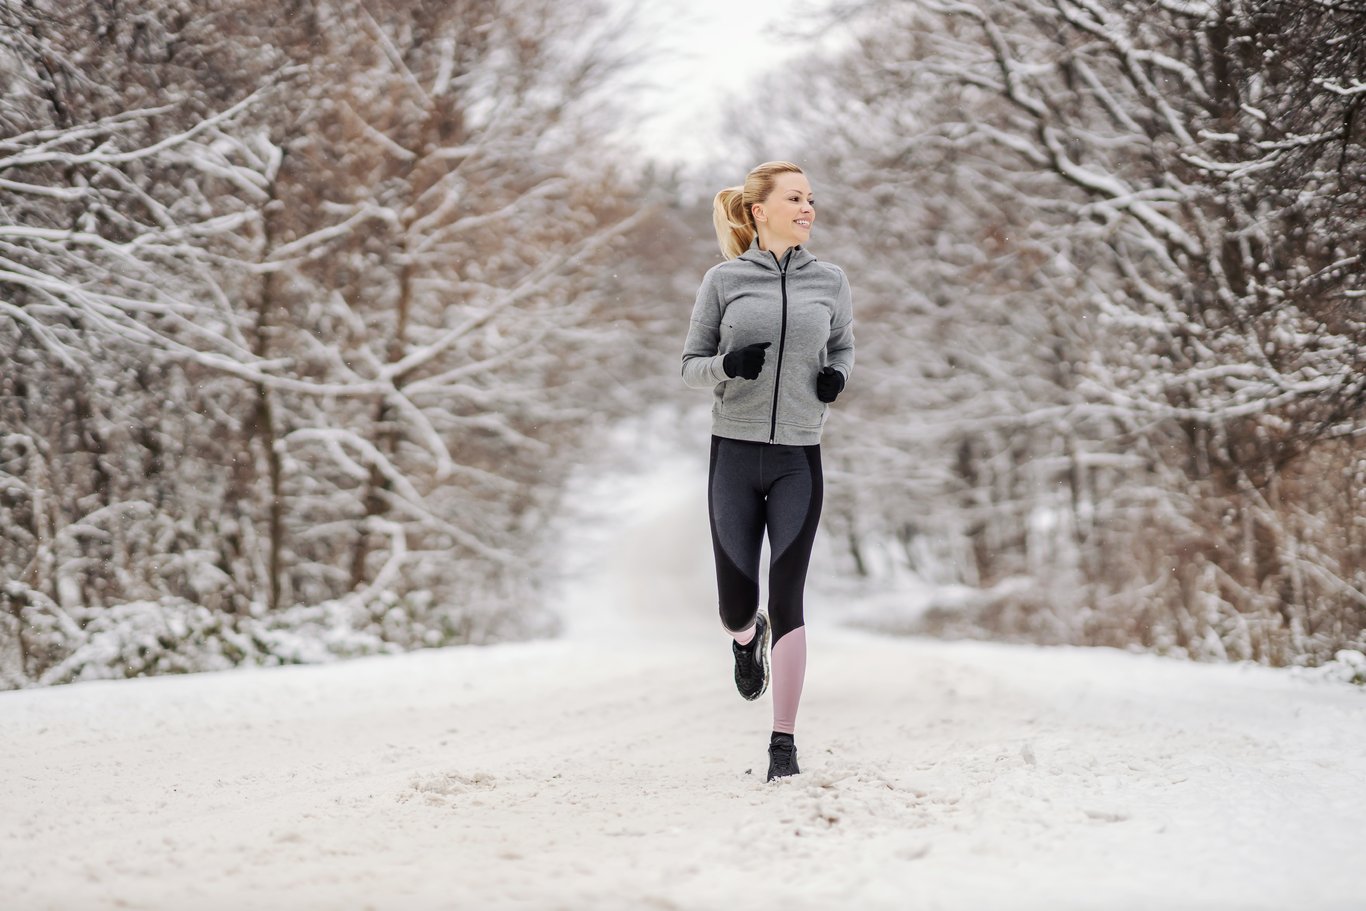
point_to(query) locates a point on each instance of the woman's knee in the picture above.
(738, 613)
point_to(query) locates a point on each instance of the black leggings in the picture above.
(753, 487)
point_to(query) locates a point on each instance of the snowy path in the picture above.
(611, 770)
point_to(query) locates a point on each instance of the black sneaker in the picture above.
(782, 756)
(751, 662)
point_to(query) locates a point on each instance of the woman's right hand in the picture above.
(745, 362)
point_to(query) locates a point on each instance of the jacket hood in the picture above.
(796, 257)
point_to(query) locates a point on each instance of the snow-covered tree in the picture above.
(297, 303)
(1110, 267)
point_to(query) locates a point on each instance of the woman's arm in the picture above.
(839, 350)
(701, 363)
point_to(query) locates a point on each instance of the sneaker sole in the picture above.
(764, 648)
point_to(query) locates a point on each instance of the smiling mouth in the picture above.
(801, 223)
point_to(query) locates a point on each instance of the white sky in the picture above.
(707, 53)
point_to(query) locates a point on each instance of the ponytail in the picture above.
(732, 212)
(733, 222)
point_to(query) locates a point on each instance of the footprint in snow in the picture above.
(445, 787)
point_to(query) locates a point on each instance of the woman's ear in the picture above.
(757, 210)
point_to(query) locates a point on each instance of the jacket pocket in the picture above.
(799, 406)
(746, 400)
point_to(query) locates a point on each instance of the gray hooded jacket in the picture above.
(804, 308)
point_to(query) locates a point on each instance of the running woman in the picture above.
(772, 335)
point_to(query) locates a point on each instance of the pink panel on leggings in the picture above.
(789, 670)
(746, 637)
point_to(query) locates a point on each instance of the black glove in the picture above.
(745, 362)
(829, 384)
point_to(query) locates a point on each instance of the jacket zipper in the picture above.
(782, 340)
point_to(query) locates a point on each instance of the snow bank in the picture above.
(568, 775)
(617, 768)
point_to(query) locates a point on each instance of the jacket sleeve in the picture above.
(701, 359)
(839, 350)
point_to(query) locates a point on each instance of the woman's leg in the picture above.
(736, 506)
(795, 488)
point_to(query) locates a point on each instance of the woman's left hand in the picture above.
(829, 384)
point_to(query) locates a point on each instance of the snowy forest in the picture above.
(310, 311)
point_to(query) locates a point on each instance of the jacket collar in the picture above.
(796, 257)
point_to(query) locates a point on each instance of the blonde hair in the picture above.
(732, 212)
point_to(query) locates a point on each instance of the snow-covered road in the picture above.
(617, 768)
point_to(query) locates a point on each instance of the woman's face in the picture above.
(788, 213)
